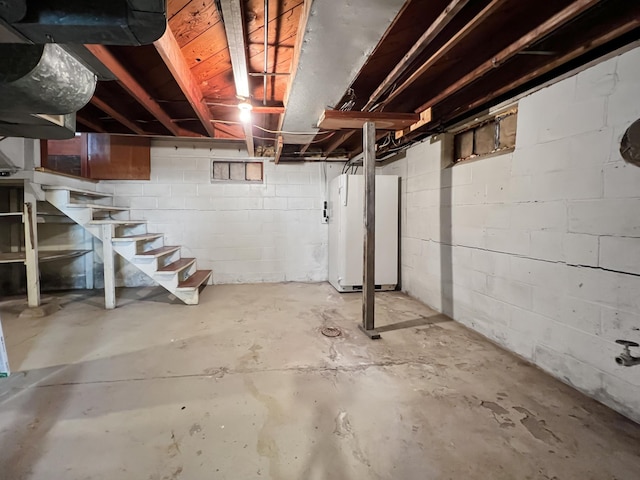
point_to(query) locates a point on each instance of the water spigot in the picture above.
(625, 358)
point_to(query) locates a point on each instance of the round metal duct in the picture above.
(43, 79)
(630, 145)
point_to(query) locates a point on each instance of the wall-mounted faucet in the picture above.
(625, 358)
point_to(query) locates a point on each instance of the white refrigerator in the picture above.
(346, 232)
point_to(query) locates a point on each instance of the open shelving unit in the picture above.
(21, 221)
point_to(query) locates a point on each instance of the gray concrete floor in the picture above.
(243, 386)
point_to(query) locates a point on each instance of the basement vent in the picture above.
(236, 171)
(494, 135)
(630, 144)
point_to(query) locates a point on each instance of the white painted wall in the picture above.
(539, 250)
(245, 233)
(13, 149)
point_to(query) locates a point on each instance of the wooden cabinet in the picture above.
(65, 156)
(99, 156)
(116, 157)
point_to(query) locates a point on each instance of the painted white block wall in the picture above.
(14, 149)
(245, 233)
(539, 250)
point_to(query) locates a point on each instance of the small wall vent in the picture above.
(630, 144)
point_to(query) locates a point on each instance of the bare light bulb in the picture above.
(245, 116)
(245, 112)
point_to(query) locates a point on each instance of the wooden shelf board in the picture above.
(43, 255)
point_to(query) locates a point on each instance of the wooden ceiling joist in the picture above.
(170, 52)
(267, 110)
(88, 123)
(423, 42)
(336, 142)
(279, 148)
(337, 119)
(574, 9)
(485, 13)
(133, 87)
(106, 108)
(594, 43)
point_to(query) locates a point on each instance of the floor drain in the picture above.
(331, 331)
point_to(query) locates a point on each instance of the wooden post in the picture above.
(368, 280)
(88, 260)
(31, 250)
(109, 267)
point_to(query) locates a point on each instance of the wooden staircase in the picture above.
(129, 238)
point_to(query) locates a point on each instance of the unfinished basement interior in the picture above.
(313, 239)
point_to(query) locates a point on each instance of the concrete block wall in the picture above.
(539, 250)
(267, 232)
(13, 149)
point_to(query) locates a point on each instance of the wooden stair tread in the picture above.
(139, 237)
(96, 206)
(117, 222)
(158, 252)
(195, 280)
(177, 265)
(78, 191)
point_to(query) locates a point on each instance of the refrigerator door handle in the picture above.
(344, 189)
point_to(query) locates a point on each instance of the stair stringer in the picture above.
(127, 249)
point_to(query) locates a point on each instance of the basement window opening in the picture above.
(236, 171)
(492, 136)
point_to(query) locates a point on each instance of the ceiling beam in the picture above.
(279, 148)
(106, 108)
(338, 119)
(593, 43)
(297, 48)
(171, 55)
(89, 123)
(132, 86)
(450, 11)
(558, 20)
(262, 110)
(235, 31)
(460, 35)
(339, 140)
(598, 40)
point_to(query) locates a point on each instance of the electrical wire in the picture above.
(329, 133)
(286, 132)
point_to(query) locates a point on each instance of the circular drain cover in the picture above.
(331, 331)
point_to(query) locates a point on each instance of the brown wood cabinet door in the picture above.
(117, 157)
(65, 156)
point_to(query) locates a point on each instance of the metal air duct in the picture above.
(43, 79)
(112, 22)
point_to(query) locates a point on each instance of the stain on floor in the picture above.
(244, 386)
